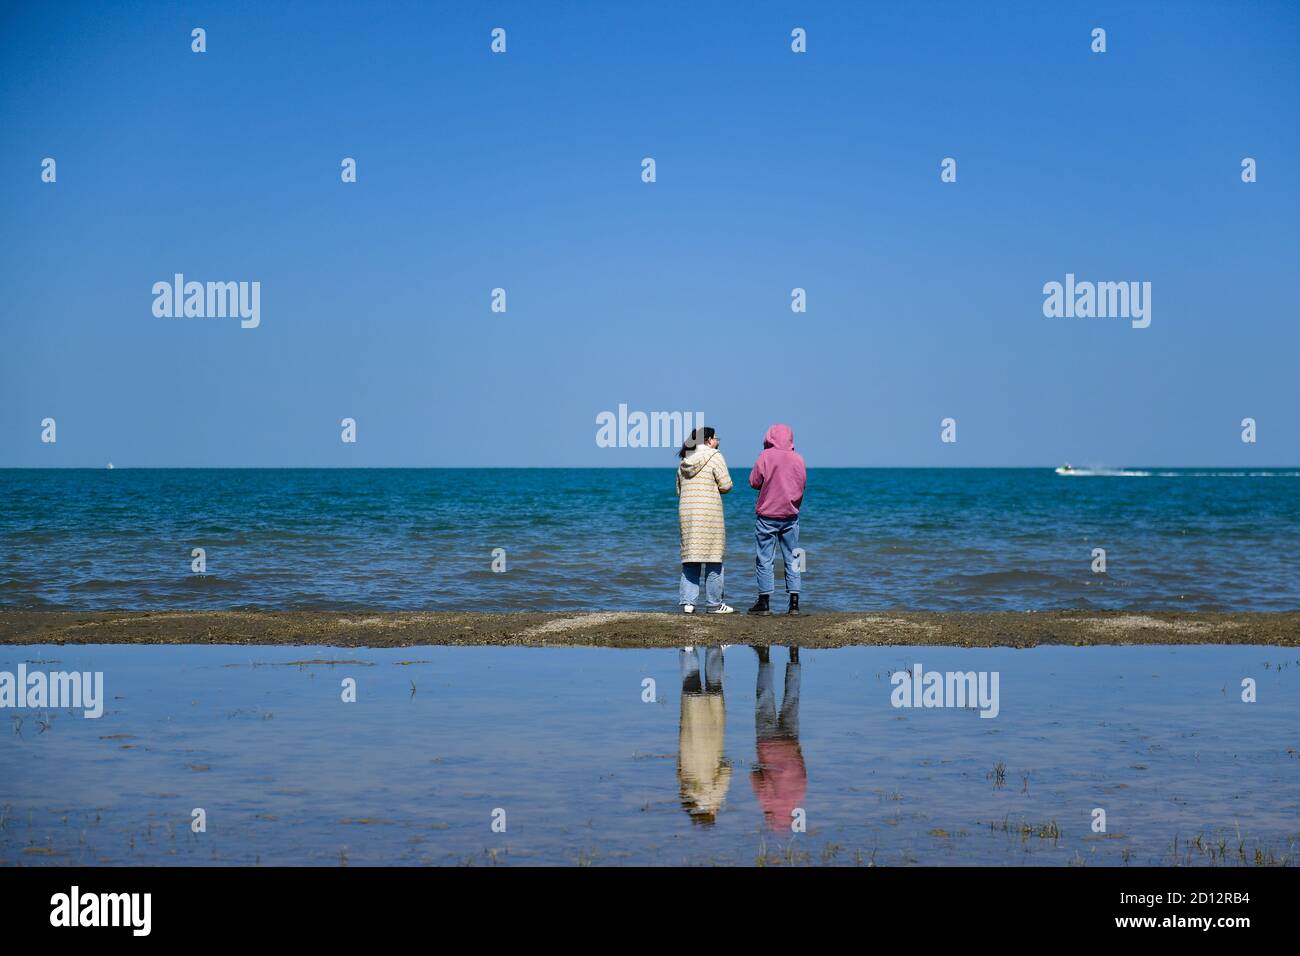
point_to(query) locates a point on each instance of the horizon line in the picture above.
(1272, 467)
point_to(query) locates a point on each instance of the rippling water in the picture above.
(919, 539)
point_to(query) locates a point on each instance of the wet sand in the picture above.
(645, 629)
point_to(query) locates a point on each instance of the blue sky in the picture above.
(774, 170)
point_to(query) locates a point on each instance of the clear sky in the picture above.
(775, 170)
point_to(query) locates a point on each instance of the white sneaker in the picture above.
(688, 608)
(722, 609)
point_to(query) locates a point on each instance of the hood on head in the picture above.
(692, 464)
(779, 437)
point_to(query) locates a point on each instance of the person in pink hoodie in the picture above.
(780, 476)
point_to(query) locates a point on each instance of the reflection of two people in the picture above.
(779, 779)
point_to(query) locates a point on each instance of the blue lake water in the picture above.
(918, 539)
(586, 771)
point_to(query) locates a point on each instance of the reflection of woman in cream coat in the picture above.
(702, 769)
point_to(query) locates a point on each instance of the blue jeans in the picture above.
(767, 532)
(767, 725)
(712, 683)
(689, 590)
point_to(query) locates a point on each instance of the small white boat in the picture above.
(1066, 469)
(110, 466)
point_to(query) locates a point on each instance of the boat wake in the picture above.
(1070, 471)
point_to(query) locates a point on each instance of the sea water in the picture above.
(513, 756)
(606, 539)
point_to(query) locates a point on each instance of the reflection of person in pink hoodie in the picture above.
(780, 476)
(780, 780)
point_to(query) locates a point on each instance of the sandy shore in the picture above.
(639, 629)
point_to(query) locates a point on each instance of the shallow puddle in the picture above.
(605, 757)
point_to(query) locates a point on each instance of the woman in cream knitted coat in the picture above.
(702, 480)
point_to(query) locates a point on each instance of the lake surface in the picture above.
(606, 539)
(586, 772)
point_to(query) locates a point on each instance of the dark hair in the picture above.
(698, 437)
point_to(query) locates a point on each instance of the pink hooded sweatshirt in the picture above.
(779, 475)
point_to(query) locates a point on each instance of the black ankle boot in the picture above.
(794, 604)
(761, 607)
